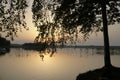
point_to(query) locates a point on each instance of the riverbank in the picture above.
(100, 74)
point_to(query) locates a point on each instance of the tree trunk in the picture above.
(107, 60)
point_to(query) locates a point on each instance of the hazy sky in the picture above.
(29, 36)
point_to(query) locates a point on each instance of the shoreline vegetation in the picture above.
(44, 46)
(32, 45)
(4, 45)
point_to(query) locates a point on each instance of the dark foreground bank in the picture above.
(100, 74)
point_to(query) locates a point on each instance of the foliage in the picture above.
(87, 14)
(43, 20)
(4, 42)
(71, 17)
(12, 16)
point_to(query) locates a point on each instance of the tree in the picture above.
(12, 17)
(80, 16)
(71, 14)
(4, 43)
(50, 30)
(90, 14)
(43, 20)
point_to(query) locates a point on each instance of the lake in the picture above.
(65, 64)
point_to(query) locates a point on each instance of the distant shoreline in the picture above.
(65, 46)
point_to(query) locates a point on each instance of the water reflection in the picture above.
(4, 51)
(113, 51)
(50, 65)
(48, 51)
(21, 52)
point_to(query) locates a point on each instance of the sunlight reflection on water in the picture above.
(65, 64)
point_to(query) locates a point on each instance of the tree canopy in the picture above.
(88, 13)
(58, 20)
(12, 16)
(43, 14)
(67, 18)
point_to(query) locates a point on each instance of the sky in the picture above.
(95, 39)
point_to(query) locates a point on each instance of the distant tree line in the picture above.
(4, 43)
(35, 46)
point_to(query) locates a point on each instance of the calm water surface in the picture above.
(65, 64)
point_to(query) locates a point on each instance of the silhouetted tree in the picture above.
(43, 20)
(90, 14)
(12, 16)
(72, 17)
(4, 42)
